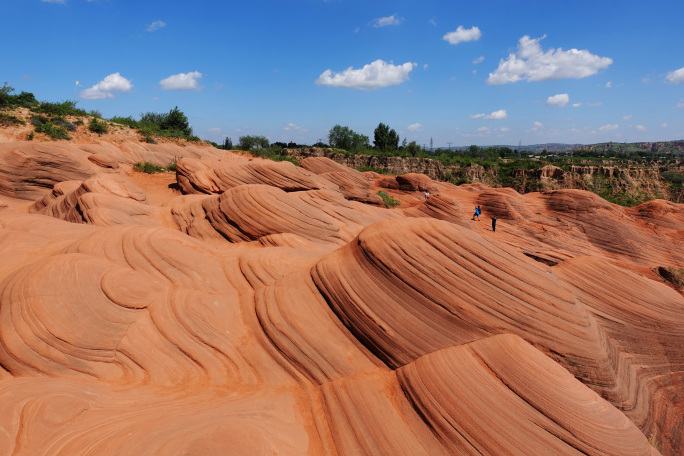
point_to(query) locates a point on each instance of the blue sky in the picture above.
(481, 72)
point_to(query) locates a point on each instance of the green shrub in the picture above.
(95, 113)
(7, 120)
(53, 131)
(98, 126)
(388, 200)
(38, 120)
(7, 100)
(29, 137)
(147, 167)
(172, 166)
(125, 121)
(65, 108)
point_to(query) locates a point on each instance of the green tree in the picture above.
(385, 138)
(175, 120)
(345, 138)
(413, 148)
(250, 142)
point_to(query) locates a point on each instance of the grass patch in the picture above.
(7, 120)
(98, 126)
(388, 200)
(148, 168)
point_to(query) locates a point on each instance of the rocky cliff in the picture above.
(630, 184)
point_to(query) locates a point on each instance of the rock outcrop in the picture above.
(252, 307)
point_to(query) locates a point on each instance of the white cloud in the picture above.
(676, 76)
(596, 104)
(372, 76)
(433, 22)
(680, 104)
(480, 59)
(531, 64)
(461, 35)
(425, 66)
(389, 20)
(576, 105)
(627, 117)
(107, 87)
(640, 128)
(294, 127)
(504, 129)
(182, 81)
(609, 127)
(496, 115)
(559, 100)
(483, 129)
(538, 124)
(156, 25)
(609, 84)
(414, 127)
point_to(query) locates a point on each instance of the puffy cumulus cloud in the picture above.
(156, 25)
(496, 115)
(182, 81)
(386, 21)
(107, 87)
(559, 100)
(537, 126)
(676, 76)
(576, 105)
(462, 34)
(372, 76)
(415, 127)
(609, 127)
(480, 59)
(532, 64)
(609, 84)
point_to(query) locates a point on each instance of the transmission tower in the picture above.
(431, 148)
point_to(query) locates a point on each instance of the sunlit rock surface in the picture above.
(250, 307)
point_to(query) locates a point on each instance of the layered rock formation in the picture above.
(251, 307)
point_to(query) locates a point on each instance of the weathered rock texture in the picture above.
(258, 308)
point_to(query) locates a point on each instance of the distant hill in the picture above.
(657, 147)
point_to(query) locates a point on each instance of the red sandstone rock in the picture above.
(266, 312)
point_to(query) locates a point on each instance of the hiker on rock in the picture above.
(427, 195)
(478, 211)
(494, 223)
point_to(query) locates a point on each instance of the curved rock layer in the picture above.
(483, 398)
(352, 184)
(281, 317)
(198, 177)
(440, 207)
(104, 200)
(29, 170)
(430, 285)
(253, 212)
